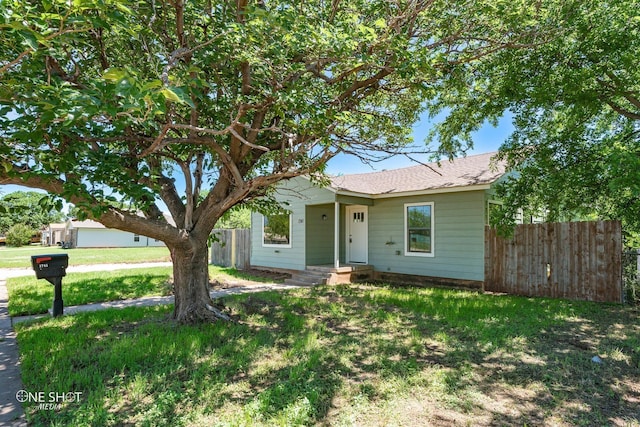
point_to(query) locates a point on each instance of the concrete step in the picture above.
(309, 278)
(319, 268)
(293, 282)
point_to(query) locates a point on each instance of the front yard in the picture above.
(21, 257)
(343, 355)
(28, 295)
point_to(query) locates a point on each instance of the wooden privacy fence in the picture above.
(233, 248)
(576, 260)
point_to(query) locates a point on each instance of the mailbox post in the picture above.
(52, 268)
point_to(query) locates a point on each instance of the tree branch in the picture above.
(244, 141)
(112, 217)
(29, 51)
(622, 111)
(360, 84)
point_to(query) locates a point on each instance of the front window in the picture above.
(276, 230)
(418, 224)
(136, 237)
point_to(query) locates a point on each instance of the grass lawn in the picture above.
(21, 257)
(343, 356)
(28, 295)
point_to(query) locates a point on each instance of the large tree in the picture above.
(117, 99)
(575, 103)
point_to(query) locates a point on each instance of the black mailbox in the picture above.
(52, 268)
(54, 265)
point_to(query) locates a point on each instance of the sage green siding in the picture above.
(459, 219)
(293, 195)
(458, 236)
(320, 232)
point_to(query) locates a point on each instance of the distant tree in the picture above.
(237, 217)
(19, 235)
(30, 208)
(74, 212)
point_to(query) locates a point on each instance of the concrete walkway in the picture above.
(11, 411)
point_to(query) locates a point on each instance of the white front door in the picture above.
(357, 234)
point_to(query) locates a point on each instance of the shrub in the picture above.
(19, 235)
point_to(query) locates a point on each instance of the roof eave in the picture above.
(459, 189)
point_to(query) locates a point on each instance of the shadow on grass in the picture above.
(318, 356)
(530, 360)
(143, 369)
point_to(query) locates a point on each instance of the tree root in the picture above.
(203, 312)
(217, 312)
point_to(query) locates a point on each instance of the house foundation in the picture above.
(427, 281)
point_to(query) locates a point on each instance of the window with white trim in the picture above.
(418, 226)
(136, 237)
(276, 230)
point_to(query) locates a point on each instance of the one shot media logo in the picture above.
(48, 400)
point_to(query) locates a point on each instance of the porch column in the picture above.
(336, 235)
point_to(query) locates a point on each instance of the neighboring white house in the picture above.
(92, 234)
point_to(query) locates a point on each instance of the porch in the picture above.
(330, 275)
(337, 234)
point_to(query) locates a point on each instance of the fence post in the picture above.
(233, 248)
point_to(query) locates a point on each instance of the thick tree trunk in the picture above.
(193, 303)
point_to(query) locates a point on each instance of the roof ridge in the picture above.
(465, 171)
(430, 164)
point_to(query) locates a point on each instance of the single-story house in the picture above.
(53, 234)
(409, 224)
(92, 234)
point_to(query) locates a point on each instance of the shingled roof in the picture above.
(461, 172)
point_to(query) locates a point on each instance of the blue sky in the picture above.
(487, 139)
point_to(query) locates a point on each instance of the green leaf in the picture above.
(115, 75)
(177, 94)
(30, 39)
(380, 23)
(170, 95)
(153, 84)
(122, 8)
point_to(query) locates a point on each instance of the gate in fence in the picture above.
(575, 260)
